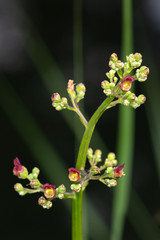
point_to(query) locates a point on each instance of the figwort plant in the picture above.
(117, 89)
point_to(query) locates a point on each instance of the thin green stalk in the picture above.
(125, 141)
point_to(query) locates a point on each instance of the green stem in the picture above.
(81, 161)
(77, 216)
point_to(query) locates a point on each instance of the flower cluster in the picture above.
(120, 81)
(107, 173)
(49, 191)
(75, 93)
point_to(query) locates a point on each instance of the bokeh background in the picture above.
(42, 45)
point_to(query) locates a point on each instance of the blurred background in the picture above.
(42, 45)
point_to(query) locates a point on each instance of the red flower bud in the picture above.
(49, 191)
(118, 171)
(74, 175)
(19, 170)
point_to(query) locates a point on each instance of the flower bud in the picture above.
(125, 102)
(110, 182)
(80, 89)
(90, 153)
(55, 97)
(70, 89)
(18, 187)
(142, 74)
(110, 74)
(98, 154)
(19, 170)
(76, 187)
(114, 57)
(135, 60)
(105, 84)
(119, 65)
(35, 183)
(95, 170)
(111, 156)
(60, 195)
(108, 92)
(141, 99)
(35, 172)
(74, 175)
(48, 205)
(42, 201)
(61, 189)
(23, 192)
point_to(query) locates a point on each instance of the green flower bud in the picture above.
(114, 57)
(76, 187)
(112, 85)
(23, 192)
(111, 156)
(119, 65)
(80, 89)
(108, 92)
(70, 89)
(35, 172)
(95, 170)
(109, 170)
(55, 97)
(110, 74)
(90, 153)
(105, 84)
(42, 201)
(98, 154)
(134, 60)
(135, 104)
(60, 195)
(18, 187)
(48, 205)
(142, 73)
(61, 189)
(141, 99)
(35, 183)
(125, 102)
(110, 182)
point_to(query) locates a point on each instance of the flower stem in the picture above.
(77, 216)
(81, 162)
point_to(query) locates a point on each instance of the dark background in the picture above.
(52, 22)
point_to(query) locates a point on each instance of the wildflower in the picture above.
(74, 175)
(49, 191)
(19, 170)
(126, 83)
(118, 171)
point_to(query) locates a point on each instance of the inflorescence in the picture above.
(118, 86)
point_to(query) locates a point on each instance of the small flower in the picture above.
(74, 175)
(49, 191)
(19, 170)
(118, 171)
(126, 83)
